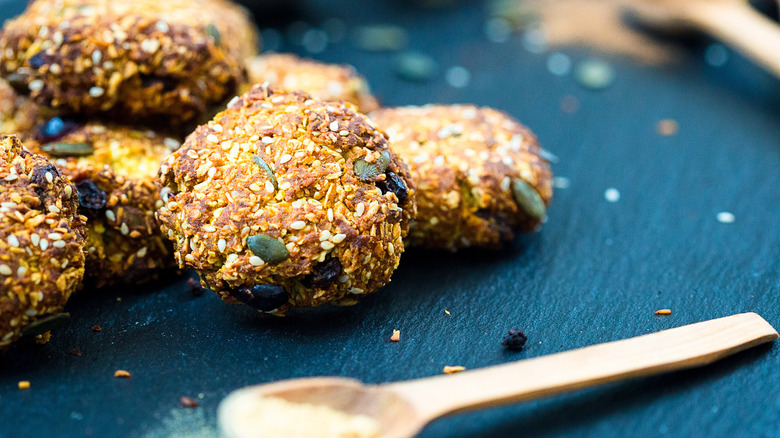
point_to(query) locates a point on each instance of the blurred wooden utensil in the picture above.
(402, 409)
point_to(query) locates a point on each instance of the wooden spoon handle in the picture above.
(738, 25)
(683, 347)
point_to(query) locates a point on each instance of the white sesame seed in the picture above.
(110, 215)
(612, 194)
(334, 126)
(505, 183)
(212, 138)
(49, 177)
(11, 177)
(21, 271)
(438, 161)
(232, 101)
(285, 185)
(150, 45)
(325, 235)
(171, 143)
(221, 245)
(359, 210)
(212, 172)
(298, 225)
(285, 158)
(68, 190)
(343, 278)
(355, 290)
(54, 236)
(232, 257)
(269, 187)
(330, 215)
(561, 182)
(326, 245)
(508, 160)
(35, 238)
(54, 209)
(217, 127)
(59, 244)
(141, 252)
(209, 228)
(8, 204)
(256, 261)
(13, 241)
(124, 229)
(97, 55)
(338, 238)
(55, 69)
(35, 85)
(30, 312)
(162, 26)
(726, 217)
(5, 270)
(44, 244)
(267, 140)
(96, 92)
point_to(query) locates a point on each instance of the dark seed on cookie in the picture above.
(324, 274)
(265, 297)
(90, 196)
(395, 184)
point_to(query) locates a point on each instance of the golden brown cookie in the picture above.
(139, 58)
(478, 173)
(283, 200)
(323, 81)
(41, 239)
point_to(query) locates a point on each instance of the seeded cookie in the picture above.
(41, 239)
(283, 201)
(478, 174)
(139, 58)
(323, 81)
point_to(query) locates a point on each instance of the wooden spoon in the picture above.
(734, 22)
(402, 409)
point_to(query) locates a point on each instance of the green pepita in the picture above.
(415, 66)
(214, 34)
(595, 74)
(267, 248)
(528, 199)
(367, 172)
(60, 149)
(263, 165)
(384, 160)
(46, 324)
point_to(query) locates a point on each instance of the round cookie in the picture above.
(17, 113)
(323, 81)
(41, 239)
(137, 58)
(284, 201)
(478, 174)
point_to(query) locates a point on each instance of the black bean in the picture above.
(90, 196)
(323, 274)
(55, 128)
(514, 340)
(265, 297)
(395, 184)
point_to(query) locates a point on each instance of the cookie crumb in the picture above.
(24, 384)
(514, 340)
(453, 369)
(396, 336)
(96, 328)
(75, 351)
(188, 402)
(122, 374)
(446, 311)
(663, 312)
(43, 338)
(195, 288)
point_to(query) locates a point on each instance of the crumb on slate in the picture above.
(514, 340)
(195, 288)
(122, 374)
(453, 369)
(96, 328)
(24, 384)
(663, 312)
(75, 351)
(188, 402)
(396, 336)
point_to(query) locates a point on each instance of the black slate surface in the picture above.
(596, 272)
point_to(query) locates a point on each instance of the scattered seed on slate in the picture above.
(214, 34)
(267, 248)
(528, 199)
(55, 128)
(395, 184)
(367, 172)
(188, 402)
(265, 297)
(380, 37)
(59, 149)
(548, 156)
(90, 196)
(595, 74)
(514, 340)
(46, 324)
(75, 351)
(263, 165)
(324, 274)
(415, 66)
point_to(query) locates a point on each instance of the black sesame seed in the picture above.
(324, 274)
(395, 184)
(55, 128)
(90, 196)
(514, 340)
(265, 297)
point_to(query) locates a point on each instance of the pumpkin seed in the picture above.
(60, 149)
(267, 248)
(528, 199)
(384, 160)
(595, 74)
(365, 171)
(214, 34)
(415, 66)
(263, 165)
(46, 324)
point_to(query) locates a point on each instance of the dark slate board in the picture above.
(595, 273)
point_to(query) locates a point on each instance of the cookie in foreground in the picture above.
(41, 239)
(478, 173)
(286, 201)
(139, 58)
(323, 81)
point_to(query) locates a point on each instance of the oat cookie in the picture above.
(323, 81)
(137, 58)
(478, 174)
(41, 239)
(283, 200)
